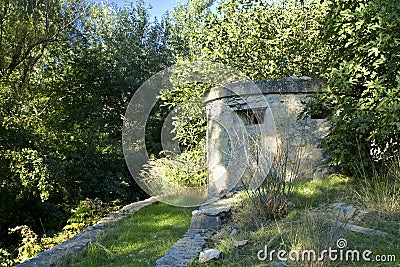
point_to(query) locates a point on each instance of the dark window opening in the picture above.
(321, 114)
(252, 116)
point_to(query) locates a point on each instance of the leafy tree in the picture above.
(363, 81)
(262, 39)
(27, 30)
(61, 106)
(187, 24)
(28, 27)
(267, 39)
(97, 77)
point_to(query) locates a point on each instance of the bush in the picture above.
(271, 200)
(6, 258)
(87, 213)
(29, 245)
(186, 169)
(363, 81)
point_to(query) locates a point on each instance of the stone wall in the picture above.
(252, 125)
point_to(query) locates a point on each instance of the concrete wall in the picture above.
(250, 129)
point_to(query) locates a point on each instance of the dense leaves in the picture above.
(364, 80)
(67, 73)
(353, 44)
(267, 39)
(261, 39)
(68, 69)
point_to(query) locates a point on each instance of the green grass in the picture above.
(144, 237)
(138, 240)
(305, 228)
(315, 192)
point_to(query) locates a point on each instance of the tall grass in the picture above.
(312, 232)
(379, 189)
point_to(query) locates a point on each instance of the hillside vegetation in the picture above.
(68, 69)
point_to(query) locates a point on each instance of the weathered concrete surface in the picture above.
(78, 242)
(251, 126)
(290, 85)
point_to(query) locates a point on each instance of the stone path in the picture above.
(50, 257)
(204, 223)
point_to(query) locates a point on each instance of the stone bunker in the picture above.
(254, 126)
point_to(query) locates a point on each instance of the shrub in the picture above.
(29, 245)
(6, 259)
(186, 169)
(88, 212)
(270, 200)
(363, 81)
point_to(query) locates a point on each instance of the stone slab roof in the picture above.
(290, 85)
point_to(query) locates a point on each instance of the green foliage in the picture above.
(29, 173)
(186, 169)
(190, 120)
(29, 191)
(30, 243)
(363, 80)
(87, 213)
(67, 72)
(5, 258)
(187, 24)
(27, 29)
(267, 40)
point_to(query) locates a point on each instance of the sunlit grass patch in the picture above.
(136, 241)
(309, 225)
(314, 192)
